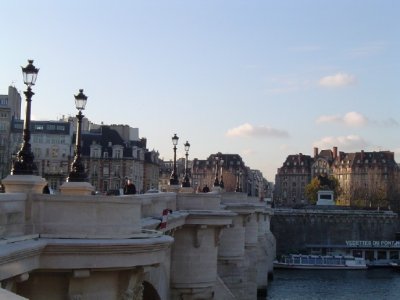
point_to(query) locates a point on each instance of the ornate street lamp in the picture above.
(237, 182)
(174, 177)
(77, 173)
(23, 165)
(216, 181)
(186, 181)
(221, 182)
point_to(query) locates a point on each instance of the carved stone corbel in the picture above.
(199, 235)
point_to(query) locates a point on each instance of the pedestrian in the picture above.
(46, 189)
(129, 188)
(206, 189)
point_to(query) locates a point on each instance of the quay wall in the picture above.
(294, 229)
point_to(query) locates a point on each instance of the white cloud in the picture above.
(246, 130)
(356, 119)
(329, 119)
(345, 143)
(337, 80)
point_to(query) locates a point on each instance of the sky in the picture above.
(262, 79)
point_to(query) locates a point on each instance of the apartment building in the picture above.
(51, 146)
(367, 179)
(10, 108)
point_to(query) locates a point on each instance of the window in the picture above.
(50, 127)
(54, 152)
(117, 153)
(95, 152)
(3, 126)
(38, 127)
(105, 171)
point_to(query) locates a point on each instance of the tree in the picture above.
(322, 183)
(311, 190)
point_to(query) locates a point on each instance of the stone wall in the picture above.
(296, 228)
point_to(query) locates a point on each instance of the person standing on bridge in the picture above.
(129, 188)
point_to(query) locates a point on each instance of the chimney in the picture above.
(315, 152)
(334, 152)
(362, 155)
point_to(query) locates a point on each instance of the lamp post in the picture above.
(221, 182)
(237, 182)
(77, 173)
(216, 181)
(23, 165)
(186, 181)
(174, 177)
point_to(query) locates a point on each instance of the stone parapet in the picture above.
(154, 204)
(201, 201)
(86, 216)
(13, 214)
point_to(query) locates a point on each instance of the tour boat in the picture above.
(319, 262)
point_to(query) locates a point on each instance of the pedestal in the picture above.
(24, 184)
(76, 188)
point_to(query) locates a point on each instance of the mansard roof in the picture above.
(326, 154)
(106, 138)
(42, 127)
(362, 158)
(294, 160)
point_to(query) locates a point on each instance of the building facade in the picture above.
(110, 160)
(51, 147)
(10, 108)
(366, 179)
(291, 180)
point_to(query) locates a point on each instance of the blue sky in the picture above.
(263, 79)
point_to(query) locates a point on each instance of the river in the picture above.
(377, 284)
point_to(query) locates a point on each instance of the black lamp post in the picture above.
(221, 182)
(237, 182)
(77, 173)
(216, 181)
(174, 177)
(23, 165)
(186, 181)
(240, 181)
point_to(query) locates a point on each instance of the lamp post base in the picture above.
(24, 184)
(76, 188)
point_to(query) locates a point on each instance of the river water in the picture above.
(376, 284)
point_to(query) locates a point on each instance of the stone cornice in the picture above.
(44, 253)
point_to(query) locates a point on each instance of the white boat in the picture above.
(319, 262)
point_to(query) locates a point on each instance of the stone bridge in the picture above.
(75, 245)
